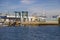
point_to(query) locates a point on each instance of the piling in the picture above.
(59, 21)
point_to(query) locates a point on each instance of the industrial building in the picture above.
(21, 17)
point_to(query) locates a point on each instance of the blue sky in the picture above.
(50, 7)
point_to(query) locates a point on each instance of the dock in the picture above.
(40, 23)
(34, 23)
(30, 23)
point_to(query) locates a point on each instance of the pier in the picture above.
(40, 23)
(32, 23)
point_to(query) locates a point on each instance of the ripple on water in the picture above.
(30, 33)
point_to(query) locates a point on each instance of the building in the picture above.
(23, 19)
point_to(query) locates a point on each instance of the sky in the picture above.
(49, 7)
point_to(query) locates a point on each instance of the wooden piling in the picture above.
(59, 21)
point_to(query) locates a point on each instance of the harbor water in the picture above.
(43, 32)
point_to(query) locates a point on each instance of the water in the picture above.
(45, 32)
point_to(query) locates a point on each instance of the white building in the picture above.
(24, 19)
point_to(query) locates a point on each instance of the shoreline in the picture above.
(30, 23)
(18, 23)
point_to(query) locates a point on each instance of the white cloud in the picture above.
(27, 1)
(35, 8)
